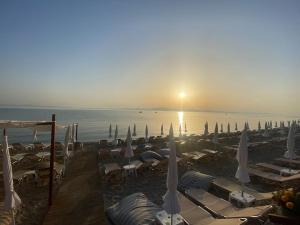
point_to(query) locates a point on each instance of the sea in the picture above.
(93, 124)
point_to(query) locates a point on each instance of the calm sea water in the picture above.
(94, 124)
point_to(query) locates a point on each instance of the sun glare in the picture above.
(182, 94)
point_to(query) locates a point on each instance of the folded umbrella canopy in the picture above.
(146, 133)
(116, 136)
(171, 201)
(215, 138)
(110, 131)
(290, 153)
(34, 135)
(242, 157)
(134, 131)
(206, 129)
(129, 152)
(162, 130)
(11, 199)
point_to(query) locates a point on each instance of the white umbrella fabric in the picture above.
(129, 152)
(206, 129)
(242, 157)
(146, 133)
(11, 199)
(215, 138)
(266, 133)
(290, 153)
(134, 131)
(110, 131)
(171, 201)
(34, 136)
(115, 142)
(180, 134)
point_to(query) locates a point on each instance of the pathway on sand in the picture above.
(79, 200)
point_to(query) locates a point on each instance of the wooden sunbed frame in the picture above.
(223, 209)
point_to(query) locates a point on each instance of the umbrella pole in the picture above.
(243, 186)
(13, 217)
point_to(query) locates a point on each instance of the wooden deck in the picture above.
(273, 167)
(79, 200)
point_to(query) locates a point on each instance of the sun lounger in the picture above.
(110, 167)
(275, 168)
(295, 163)
(194, 155)
(209, 151)
(272, 176)
(222, 208)
(228, 186)
(134, 209)
(195, 215)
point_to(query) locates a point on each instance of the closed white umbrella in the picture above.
(34, 135)
(146, 133)
(215, 138)
(221, 127)
(171, 201)
(129, 152)
(110, 131)
(180, 134)
(259, 126)
(206, 129)
(185, 129)
(266, 133)
(242, 157)
(162, 130)
(116, 136)
(236, 128)
(11, 199)
(228, 128)
(134, 131)
(289, 124)
(290, 153)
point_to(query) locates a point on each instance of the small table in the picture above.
(130, 169)
(163, 218)
(288, 172)
(242, 201)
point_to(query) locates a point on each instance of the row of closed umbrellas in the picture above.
(268, 126)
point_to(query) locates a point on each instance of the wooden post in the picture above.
(52, 157)
(76, 132)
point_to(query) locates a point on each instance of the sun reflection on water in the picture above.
(180, 118)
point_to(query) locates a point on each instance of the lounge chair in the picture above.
(276, 178)
(195, 215)
(221, 208)
(112, 172)
(5, 216)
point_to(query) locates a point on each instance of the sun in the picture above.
(182, 95)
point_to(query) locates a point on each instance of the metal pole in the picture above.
(52, 157)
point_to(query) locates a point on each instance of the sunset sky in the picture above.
(225, 55)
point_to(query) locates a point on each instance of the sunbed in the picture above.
(224, 209)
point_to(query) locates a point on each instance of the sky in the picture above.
(237, 55)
